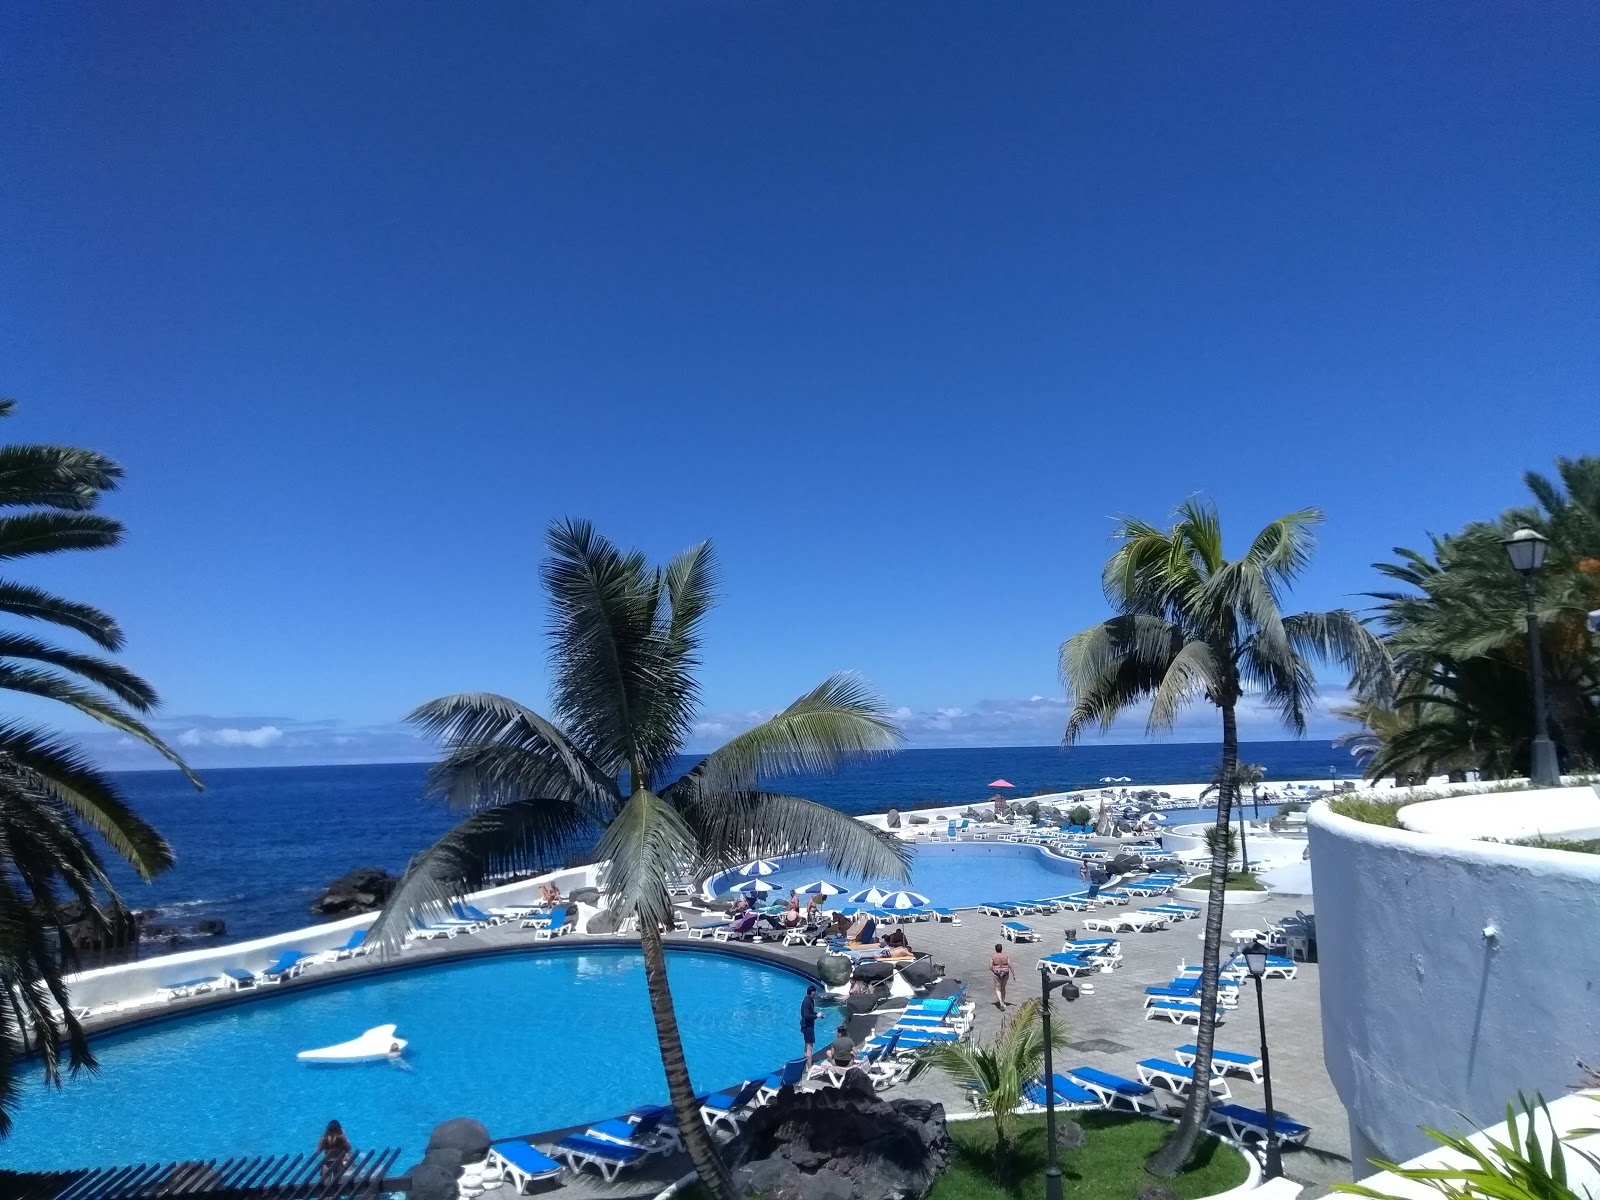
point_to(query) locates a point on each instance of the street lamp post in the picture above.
(1052, 1170)
(1255, 961)
(1526, 549)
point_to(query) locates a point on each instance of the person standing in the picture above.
(808, 1022)
(1000, 968)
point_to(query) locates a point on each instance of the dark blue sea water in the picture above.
(257, 845)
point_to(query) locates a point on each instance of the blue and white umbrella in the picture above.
(819, 887)
(900, 901)
(752, 885)
(761, 866)
(869, 895)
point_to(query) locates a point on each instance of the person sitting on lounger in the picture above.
(843, 1050)
(901, 951)
(739, 907)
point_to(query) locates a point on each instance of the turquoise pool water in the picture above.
(524, 1042)
(951, 874)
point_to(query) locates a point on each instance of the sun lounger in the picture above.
(1177, 1078)
(236, 978)
(1067, 1094)
(1116, 1091)
(1240, 1122)
(650, 1133)
(554, 927)
(1000, 908)
(1175, 912)
(1100, 924)
(188, 987)
(1179, 1012)
(1223, 1061)
(1078, 902)
(1016, 931)
(520, 1164)
(793, 1072)
(353, 947)
(608, 1158)
(469, 912)
(704, 929)
(432, 930)
(290, 963)
(1069, 966)
(943, 914)
(727, 1110)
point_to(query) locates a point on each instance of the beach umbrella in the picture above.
(758, 886)
(819, 887)
(1158, 817)
(1002, 783)
(900, 901)
(762, 866)
(873, 895)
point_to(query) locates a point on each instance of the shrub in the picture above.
(1081, 815)
(1372, 812)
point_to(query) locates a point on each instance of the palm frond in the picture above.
(621, 692)
(1193, 674)
(30, 533)
(63, 477)
(36, 604)
(525, 836)
(839, 721)
(1283, 548)
(90, 796)
(113, 677)
(645, 847)
(1112, 666)
(498, 750)
(730, 828)
(50, 686)
(1339, 637)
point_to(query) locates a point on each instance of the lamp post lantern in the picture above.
(1526, 548)
(1255, 961)
(1052, 1170)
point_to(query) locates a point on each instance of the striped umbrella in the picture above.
(820, 887)
(873, 895)
(900, 901)
(752, 885)
(761, 866)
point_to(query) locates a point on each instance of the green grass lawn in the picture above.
(1109, 1165)
(1239, 881)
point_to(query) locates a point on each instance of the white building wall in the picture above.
(1426, 1018)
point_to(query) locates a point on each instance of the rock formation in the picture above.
(363, 890)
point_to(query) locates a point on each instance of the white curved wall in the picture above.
(1572, 812)
(1425, 1020)
(136, 982)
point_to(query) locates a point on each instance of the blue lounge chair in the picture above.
(726, 1109)
(1070, 965)
(1016, 931)
(1224, 1060)
(1179, 1012)
(608, 1158)
(520, 1164)
(792, 1073)
(1067, 1094)
(1000, 908)
(290, 963)
(235, 978)
(188, 987)
(355, 944)
(1114, 1090)
(649, 1133)
(1178, 1078)
(1240, 1122)
(702, 929)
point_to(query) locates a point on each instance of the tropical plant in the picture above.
(51, 797)
(1522, 1167)
(1245, 775)
(1192, 624)
(603, 773)
(1081, 815)
(1456, 625)
(1223, 841)
(996, 1071)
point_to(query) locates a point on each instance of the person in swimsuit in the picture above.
(335, 1150)
(1000, 968)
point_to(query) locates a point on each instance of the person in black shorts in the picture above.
(808, 1022)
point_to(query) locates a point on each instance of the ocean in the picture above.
(258, 845)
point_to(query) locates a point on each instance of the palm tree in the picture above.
(996, 1072)
(1191, 625)
(1245, 775)
(50, 795)
(603, 772)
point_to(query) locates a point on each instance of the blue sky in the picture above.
(897, 303)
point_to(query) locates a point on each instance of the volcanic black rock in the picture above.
(363, 890)
(842, 1143)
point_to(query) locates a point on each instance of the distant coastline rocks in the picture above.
(363, 890)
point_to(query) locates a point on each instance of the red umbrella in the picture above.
(1002, 783)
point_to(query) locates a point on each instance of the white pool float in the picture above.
(376, 1043)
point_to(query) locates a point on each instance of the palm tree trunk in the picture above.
(697, 1141)
(1176, 1151)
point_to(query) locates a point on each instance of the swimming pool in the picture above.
(524, 1042)
(951, 874)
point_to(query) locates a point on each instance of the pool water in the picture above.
(950, 874)
(524, 1042)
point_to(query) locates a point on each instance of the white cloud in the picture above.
(258, 738)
